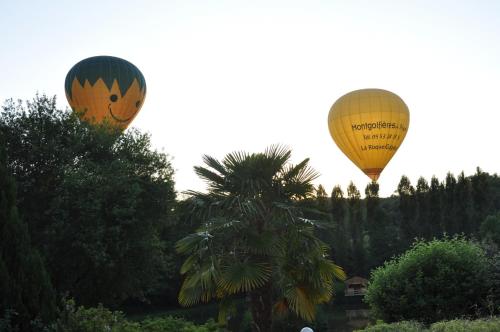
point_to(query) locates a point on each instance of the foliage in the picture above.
(255, 240)
(457, 325)
(81, 319)
(490, 230)
(176, 324)
(26, 293)
(404, 326)
(97, 201)
(463, 325)
(436, 280)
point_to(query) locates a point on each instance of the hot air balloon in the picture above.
(105, 88)
(369, 126)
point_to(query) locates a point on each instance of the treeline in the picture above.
(364, 233)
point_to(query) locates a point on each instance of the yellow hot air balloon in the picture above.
(369, 126)
(106, 88)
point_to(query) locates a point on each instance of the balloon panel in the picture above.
(369, 126)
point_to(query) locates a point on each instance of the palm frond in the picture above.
(192, 242)
(215, 164)
(278, 152)
(235, 159)
(262, 244)
(301, 303)
(214, 180)
(243, 277)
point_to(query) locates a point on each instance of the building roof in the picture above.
(356, 280)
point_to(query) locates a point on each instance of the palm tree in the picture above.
(254, 240)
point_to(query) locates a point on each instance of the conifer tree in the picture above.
(407, 209)
(25, 287)
(435, 205)
(464, 206)
(449, 208)
(381, 235)
(423, 213)
(356, 227)
(341, 238)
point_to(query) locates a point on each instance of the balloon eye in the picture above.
(113, 98)
(138, 103)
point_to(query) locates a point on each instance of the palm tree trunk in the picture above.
(261, 307)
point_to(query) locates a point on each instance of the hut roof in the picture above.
(356, 280)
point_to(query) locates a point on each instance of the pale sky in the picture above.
(241, 75)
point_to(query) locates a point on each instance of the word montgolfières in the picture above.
(105, 88)
(369, 126)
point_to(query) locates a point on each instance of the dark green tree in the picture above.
(423, 219)
(25, 287)
(254, 239)
(382, 236)
(341, 245)
(464, 205)
(321, 199)
(481, 191)
(449, 205)
(490, 232)
(358, 252)
(436, 190)
(97, 201)
(407, 208)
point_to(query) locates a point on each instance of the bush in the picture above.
(176, 324)
(73, 319)
(81, 319)
(458, 325)
(433, 281)
(395, 327)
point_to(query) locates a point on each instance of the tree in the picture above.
(435, 205)
(254, 240)
(490, 232)
(481, 192)
(381, 234)
(407, 209)
(25, 286)
(449, 206)
(96, 200)
(423, 212)
(464, 206)
(356, 226)
(321, 198)
(341, 237)
(433, 281)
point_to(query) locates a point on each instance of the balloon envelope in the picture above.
(105, 88)
(369, 126)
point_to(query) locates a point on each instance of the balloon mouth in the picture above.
(373, 173)
(118, 119)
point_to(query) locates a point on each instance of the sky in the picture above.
(228, 76)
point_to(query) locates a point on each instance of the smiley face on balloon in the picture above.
(106, 89)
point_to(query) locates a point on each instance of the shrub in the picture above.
(458, 325)
(176, 324)
(396, 327)
(81, 319)
(433, 281)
